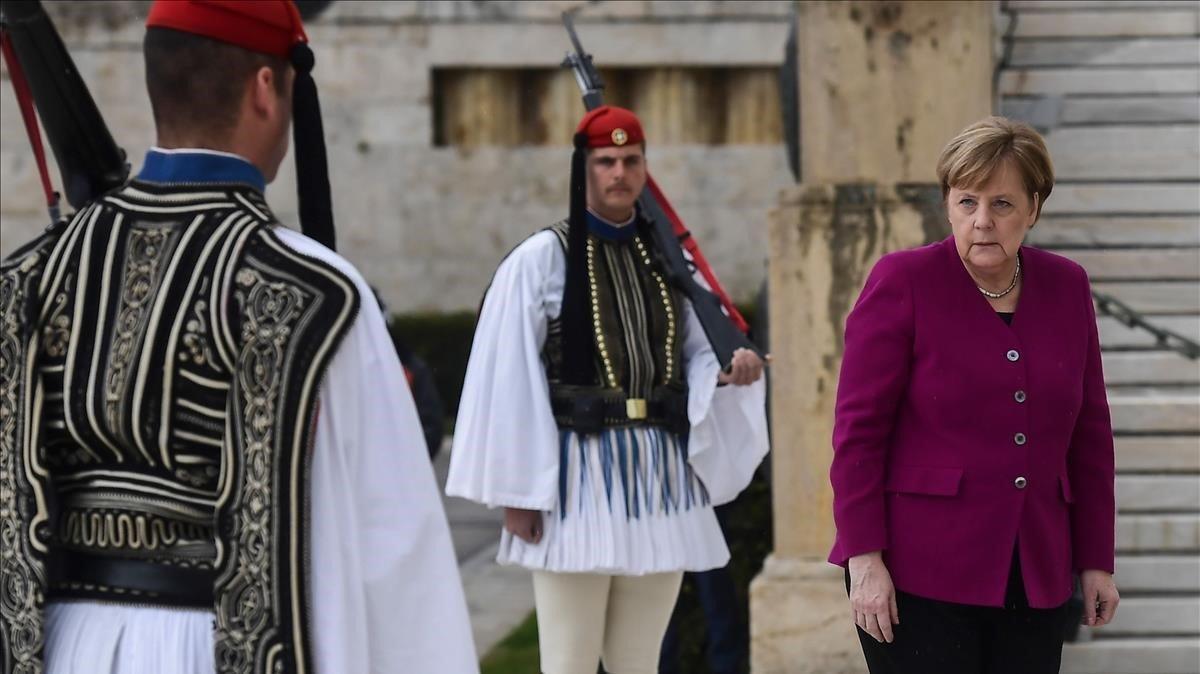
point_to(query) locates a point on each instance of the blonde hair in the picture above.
(981, 149)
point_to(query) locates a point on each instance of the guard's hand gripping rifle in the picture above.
(725, 332)
(88, 157)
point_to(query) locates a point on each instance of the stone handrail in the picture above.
(1111, 306)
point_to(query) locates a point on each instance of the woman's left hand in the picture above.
(1100, 597)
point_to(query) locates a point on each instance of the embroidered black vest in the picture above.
(637, 332)
(162, 356)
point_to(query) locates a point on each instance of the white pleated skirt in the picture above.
(629, 504)
(100, 638)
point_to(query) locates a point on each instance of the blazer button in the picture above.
(1019, 396)
(1019, 438)
(1020, 482)
(1013, 355)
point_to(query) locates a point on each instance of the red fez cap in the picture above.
(264, 26)
(608, 126)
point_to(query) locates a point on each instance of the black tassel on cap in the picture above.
(578, 346)
(312, 168)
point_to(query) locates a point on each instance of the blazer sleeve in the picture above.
(874, 377)
(1090, 461)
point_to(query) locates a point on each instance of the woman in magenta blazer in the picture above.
(973, 454)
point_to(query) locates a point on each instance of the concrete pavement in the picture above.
(498, 597)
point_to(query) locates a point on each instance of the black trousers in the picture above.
(940, 637)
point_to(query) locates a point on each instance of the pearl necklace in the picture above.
(1009, 289)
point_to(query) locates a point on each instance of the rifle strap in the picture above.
(25, 100)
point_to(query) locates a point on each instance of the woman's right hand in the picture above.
(872, 596)
(524, 524)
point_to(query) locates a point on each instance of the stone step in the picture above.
(1164, 655)
(1158, 573)
(1146, 616)
(1163, 454)
(1115, 86)
(1159, 533)
(1083, 109)
(1138, 263)
(1100, 230)
(1101, 52)
(1155, 297)
(1116, 335)
(1168, 152)
(1160, 412)
(1130, 22)
(1174, 493)
(1154, 367)
(1124, 198)
(1106, 80)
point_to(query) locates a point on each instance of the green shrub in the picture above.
(443, 341)
(750, 538)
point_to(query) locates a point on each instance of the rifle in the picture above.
(89, 159)
(725, 332)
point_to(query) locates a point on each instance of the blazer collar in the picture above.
(975, 302)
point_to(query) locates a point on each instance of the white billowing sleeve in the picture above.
(505, 450)
(386, 592)
(729, 423)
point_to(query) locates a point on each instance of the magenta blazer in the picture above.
(957, 437)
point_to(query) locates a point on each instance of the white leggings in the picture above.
(586, 618)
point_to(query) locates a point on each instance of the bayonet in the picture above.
(580, 63)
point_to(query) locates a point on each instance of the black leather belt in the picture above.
(76, 575)
(591, 409)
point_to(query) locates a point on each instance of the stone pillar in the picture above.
(883, 87)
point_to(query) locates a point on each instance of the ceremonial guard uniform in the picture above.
(625, 462)
(210, 459)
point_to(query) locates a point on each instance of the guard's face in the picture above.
(616, 176)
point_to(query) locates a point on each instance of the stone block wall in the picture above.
(425, 224)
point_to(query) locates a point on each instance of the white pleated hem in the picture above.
(688, 542)
(632, 506)
(103, 638)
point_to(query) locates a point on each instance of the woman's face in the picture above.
(990, 221)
